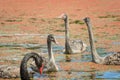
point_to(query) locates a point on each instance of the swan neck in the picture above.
(50, 53)
(67, 28)
(95, 55)
(67, 47)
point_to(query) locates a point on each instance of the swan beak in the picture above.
(55, 41)
(61, 16)
(41, 69)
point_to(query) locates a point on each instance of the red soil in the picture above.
(104, 28)
(76, 9)
(52, 8)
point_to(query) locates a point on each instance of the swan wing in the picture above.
(77, 45)
(113, 59)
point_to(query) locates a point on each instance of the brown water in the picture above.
(78, 74)
(72, 67)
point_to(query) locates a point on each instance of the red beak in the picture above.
(41, 69)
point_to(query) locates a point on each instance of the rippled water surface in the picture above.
(68, 60)
(78, 75)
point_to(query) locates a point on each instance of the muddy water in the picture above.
(65, 75)
(78, 74)
(74, 72)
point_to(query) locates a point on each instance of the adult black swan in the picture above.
(42, 63)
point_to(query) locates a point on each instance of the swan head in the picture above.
(51, 38)
(63, 16)
(87, 19)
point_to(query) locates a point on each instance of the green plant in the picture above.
(13, 20)
(113, 38)
(109, 16)
(43, 20)
(77, 22)
(117, 19)
(60, 30)
(34, 19)
(62, 25)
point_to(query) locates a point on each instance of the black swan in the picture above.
(42, 63)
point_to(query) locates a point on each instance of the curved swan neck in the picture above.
(95, 56)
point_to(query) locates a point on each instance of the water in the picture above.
(56, 49)
(101, 51)
(81, 58)
(78, 75)
(116, 43)
(74, 58)
(108, 75)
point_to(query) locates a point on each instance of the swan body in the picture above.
(111, 59)
(42, 63)
(7, 71)
(74, 46)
